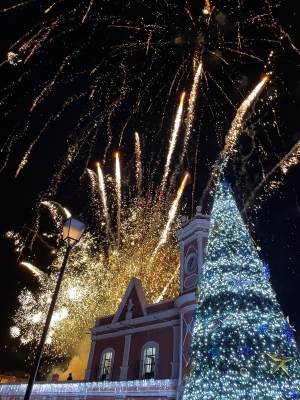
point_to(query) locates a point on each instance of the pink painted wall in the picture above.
(164, 338)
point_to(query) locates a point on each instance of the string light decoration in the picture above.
(241, 347)
(161, 387)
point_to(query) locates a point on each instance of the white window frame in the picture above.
(104, 352)
(145, 347)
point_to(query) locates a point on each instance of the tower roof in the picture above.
(199, 222)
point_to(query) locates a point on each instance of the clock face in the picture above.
(191, 264)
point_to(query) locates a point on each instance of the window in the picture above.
(149, 361)
(106, 366)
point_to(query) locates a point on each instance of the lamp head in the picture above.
(73, 229)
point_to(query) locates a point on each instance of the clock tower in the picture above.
(193, 236)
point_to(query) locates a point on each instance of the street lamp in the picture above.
(73, 229)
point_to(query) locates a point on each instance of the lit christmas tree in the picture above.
(242, 347)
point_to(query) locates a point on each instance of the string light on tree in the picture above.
(242, 346)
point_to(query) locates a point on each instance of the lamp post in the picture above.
(73, 229)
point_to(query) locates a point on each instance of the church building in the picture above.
(140, 352)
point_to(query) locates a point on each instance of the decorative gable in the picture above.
(133, 304)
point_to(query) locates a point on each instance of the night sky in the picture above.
(85, 81)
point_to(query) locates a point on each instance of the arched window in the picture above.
(106, 365)
(149, 360)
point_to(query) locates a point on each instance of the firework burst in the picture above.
(102, 264)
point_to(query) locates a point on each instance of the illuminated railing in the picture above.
(146, 369)
(102, 373)
(151, 386)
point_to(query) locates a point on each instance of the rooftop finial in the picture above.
(183, 219)
(198, 210)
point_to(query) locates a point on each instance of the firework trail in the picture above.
(173, 141)
(168, 285)
(103, 194)
(239, 119)
(191, 109)
(139, 170)
(288, 161)
(52, 5)
(292, 158)
(233, 134)
(172, 213)
(207, 8)
(119, 195)
(94, 184)
(88, 10)
(58, 213)
(35, 271)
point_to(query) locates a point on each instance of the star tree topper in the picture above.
(221, 163)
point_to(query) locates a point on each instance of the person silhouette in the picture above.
(70, 378)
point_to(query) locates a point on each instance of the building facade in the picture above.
(141, 351)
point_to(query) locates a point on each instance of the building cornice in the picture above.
(161, 315)
(186, 298)
(132, 329)
(198, 223)
(200, 231)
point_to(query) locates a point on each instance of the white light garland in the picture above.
(163, 387)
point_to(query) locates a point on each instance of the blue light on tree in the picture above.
(287, 330)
